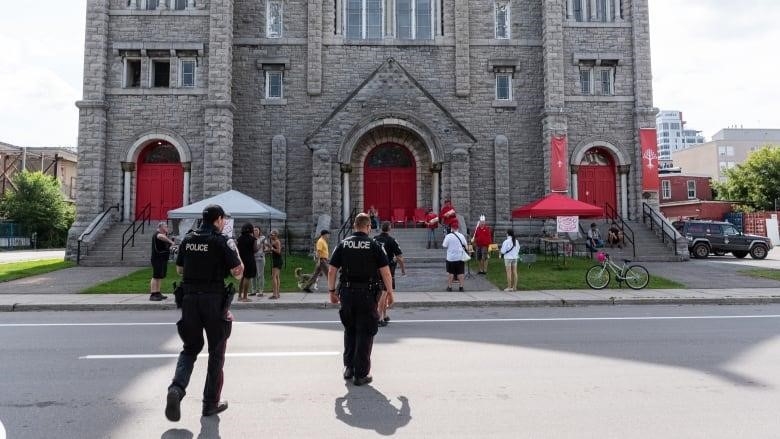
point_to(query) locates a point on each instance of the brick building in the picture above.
(317, 107)
(689, 196)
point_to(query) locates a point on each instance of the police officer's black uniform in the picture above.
(206, 260)
(359, 257)
(392, 249)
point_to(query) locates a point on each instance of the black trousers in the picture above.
(360, 318)
(199, 312)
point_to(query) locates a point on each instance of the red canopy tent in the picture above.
(555, 204)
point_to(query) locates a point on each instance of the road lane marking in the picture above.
(2, 430)
(498, 320)
(203, 355)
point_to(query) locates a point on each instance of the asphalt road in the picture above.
(600, 372)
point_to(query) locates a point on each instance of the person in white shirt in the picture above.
(510, 250)
(455, 243)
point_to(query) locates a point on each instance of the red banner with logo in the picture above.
(558, 160)
(649, 143)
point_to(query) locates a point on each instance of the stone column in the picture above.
(462, 59)
(460, 186)
(623, 172)
(185, 197)
(570, 9)
(314, 56)
(127, 172)
(617, 12)
(218, 144)
(644, 112)
(436, 187)
(592, 11)
(93, 124)
(502, 177)
(575, 193)
(279, 174)
(346, 169)
(321, 182)
(554, 120)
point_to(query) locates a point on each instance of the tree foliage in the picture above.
(756, 181)
(39, 206)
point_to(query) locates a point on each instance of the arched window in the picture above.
(390, 155)
(160, 152)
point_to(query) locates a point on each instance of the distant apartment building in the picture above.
(728, 148)
(673, 136)
(57, 161)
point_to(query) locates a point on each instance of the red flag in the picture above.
(648, 141)
(558, 180)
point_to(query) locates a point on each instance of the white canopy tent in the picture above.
(235, 203)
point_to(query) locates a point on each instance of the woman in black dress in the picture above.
(246, 250)
(276, 263)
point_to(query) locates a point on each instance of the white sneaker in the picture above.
(509, 289)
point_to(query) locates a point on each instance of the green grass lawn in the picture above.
(18, 270)
(138, 281)
(766, 273)
(551, 275)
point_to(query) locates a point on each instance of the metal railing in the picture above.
(91, 229)
(658, 222)
(612, 214)
(145, 216)
(346, 226)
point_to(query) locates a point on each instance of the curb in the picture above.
(551, 303)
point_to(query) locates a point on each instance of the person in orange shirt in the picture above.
(483, 237)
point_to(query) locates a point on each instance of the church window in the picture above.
(597, 11)
(273, 28)
(161, 73)
(187, 73)
(607, 81)
(390, 155)
(597, 80)
(132, 78)
(151, 5)
(179, 5)
(414, 19)
(503, 87)
(502, 8)
(273, 84)
(162, 152)
(364, 18)
(586, 86)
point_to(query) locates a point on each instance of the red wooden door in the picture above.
(160, 180)
(390, 180)
(596, 185)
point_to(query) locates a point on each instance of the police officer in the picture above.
(360, 258)
(204, 260)
(394, 258)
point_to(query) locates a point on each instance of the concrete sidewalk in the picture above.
(115, 302)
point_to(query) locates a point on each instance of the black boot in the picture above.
(213, 409)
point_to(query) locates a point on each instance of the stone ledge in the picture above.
(159, 12)
(157, 91)
(599, 98)
(500, 103)
(597, 24)
(273, 101)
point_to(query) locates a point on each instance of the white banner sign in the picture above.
(568, 224)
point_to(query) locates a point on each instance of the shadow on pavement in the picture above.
(367, 408)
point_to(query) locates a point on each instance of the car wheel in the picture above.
(701, 250)
(758, 252)
(739, 254)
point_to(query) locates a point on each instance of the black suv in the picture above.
(705, 237)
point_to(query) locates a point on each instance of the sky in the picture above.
(712, 60)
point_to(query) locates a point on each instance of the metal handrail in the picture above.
(612, 214)
(346, 226)
(146, 217)
(656, 220)
(91, 228)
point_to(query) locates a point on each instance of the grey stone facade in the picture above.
(304, 153)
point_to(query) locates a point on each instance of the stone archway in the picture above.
(600, 163)
(137, 152)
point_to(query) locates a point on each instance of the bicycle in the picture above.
(598, 276)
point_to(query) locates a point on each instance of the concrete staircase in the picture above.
(106, 250)
(647, 243)
(412, 242)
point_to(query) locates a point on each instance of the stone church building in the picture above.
(321, 107)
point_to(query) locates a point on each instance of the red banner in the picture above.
(649, 143)
(558, 161)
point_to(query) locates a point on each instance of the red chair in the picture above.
(419, 217)
(399, 216)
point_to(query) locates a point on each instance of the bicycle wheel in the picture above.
(637, 277)
(597, 277)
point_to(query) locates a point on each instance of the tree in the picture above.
(756, 181)
(39, 206)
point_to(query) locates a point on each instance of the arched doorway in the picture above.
(159, 180)
(390, 180)
(596, 182)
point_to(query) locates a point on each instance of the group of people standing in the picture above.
(253, 247)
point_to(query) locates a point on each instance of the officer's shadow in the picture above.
(365, 407)
(209, 429)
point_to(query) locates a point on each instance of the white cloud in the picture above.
(715, 62)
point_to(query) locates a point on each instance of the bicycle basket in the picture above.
(601, 256)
